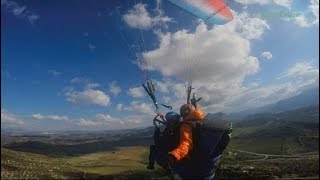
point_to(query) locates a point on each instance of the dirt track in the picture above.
(266, 156)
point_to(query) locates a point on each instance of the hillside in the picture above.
(263, 146)
(289, 132)
(309, 97)
(24, 165)
(129, 163)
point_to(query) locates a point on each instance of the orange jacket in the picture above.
(185, 142)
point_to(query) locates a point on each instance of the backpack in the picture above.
(210, 138)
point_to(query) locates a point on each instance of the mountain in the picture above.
(218, 115)
(289, 132)
(308, 97)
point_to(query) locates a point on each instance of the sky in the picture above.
(79, 65)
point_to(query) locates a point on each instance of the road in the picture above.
(266, 156)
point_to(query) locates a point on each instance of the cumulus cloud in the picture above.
(114, 88)
(220, 63)
(49, 117)
(224, 51)
(251, 27)
(9, 118)
(266, 54)
(139, 17)
(219, 58)
(140, 107)
(88, 96)
(19, 11)
(136, 92)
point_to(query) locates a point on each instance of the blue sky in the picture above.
(73, 64)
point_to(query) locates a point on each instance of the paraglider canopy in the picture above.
(213, 12)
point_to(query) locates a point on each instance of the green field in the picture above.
(130, 163)
(122, 163)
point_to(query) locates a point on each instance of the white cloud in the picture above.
(166, 99)
(106, 118)
(87, 123)
(163, 86)
(299, 77)
(49, 117)
(314, 7)
(9, 118)
(251, 28)
(19, 11)
(253, 97)
(140, 107)
(285, 3)
(54, 72)
(266, 54)
(220, 62)
(119, 107)
(106, 121)
(88, 96)
(302, 21)
(310, 17)
(139, 17)
(114, 88)
(136, 92)
(224, 51)
(133, 121)
(301, 70)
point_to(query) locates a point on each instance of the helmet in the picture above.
(186, 109)
(172, 118)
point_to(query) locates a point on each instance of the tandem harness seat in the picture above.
(210, 138)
